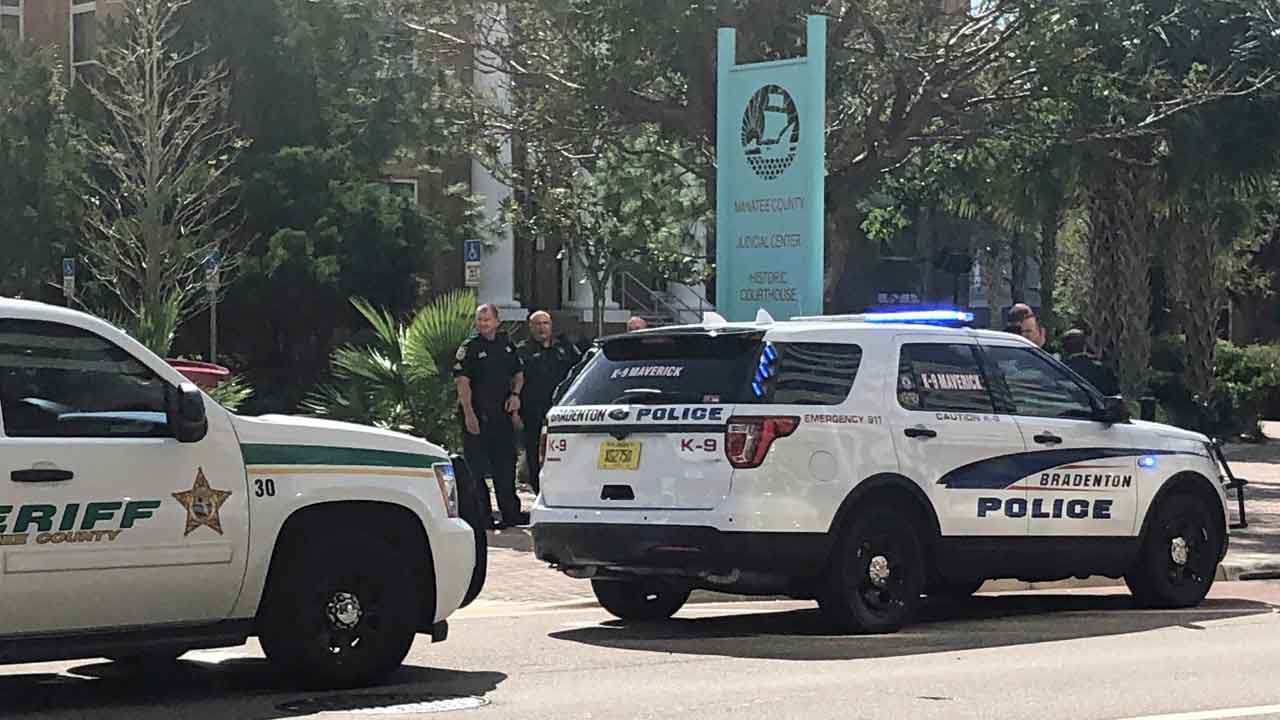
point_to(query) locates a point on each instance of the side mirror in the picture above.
(1114, 411)
(184, 410)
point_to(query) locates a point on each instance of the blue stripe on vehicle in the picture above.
(1002, 471)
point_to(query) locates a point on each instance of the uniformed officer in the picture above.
(546, 362)
(489, 378)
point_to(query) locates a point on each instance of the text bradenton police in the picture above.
(93, 522)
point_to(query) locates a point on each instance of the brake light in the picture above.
(542, 446)
(747, 439)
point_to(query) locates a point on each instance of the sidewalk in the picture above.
(515, 577)
(1255, 550)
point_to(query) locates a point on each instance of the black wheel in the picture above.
(1179, 556)
(954, 590)
(639, 601)
(877, 573)
(340, 612)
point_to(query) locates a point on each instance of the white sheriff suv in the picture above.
(139, 519)
(863, 461)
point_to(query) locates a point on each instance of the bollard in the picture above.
(1147, 406)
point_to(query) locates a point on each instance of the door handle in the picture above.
(35, 475)
(919, 432)
(1048, 439)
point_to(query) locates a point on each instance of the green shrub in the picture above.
(400, 379)
(1246, 387)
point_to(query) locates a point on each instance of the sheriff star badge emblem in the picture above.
(202, 503)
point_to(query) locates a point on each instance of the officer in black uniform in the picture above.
(489, 378)
(546, 362)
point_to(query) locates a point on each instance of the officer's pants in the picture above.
(532, 438)
(492, 453)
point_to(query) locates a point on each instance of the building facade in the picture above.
(70, 25)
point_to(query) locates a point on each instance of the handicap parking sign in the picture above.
(471, 250)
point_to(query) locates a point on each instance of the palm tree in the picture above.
(400, 380)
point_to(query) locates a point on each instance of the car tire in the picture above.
(1179, 555)
(340, 612)
(639, 601)
(877, 573)
(954, 590)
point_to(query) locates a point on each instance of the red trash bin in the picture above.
(205, 375)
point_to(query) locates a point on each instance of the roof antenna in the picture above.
(713, 318)
(763, 317)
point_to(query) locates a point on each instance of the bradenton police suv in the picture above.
(863, 461)
(139, 519)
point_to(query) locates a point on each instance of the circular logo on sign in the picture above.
(771, 132)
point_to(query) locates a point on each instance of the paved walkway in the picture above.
(1255, 550)
(515, 577)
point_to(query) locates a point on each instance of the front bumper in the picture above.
(679, 549)
(453, 550)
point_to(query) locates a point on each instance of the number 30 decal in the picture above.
(264, 487)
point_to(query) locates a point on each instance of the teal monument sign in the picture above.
(771, 173)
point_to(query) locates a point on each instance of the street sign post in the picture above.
(212, 266)
(69, 278)
(471, 260)
(770, 180)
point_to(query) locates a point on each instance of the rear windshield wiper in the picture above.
(643, 396)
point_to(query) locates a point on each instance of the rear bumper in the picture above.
(683, 549)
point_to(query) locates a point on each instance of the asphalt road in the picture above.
(1080, 655)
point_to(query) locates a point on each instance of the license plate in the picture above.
(619, 455)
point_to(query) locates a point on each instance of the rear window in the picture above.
(686, 369)
(813, 373)
(705, 369)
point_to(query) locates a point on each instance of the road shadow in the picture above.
(251, 686)
(979, 622)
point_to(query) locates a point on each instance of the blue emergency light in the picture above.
(765, 370)
(944, 318)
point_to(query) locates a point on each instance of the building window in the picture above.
(84, 31)
(404, 187)
(11, 19)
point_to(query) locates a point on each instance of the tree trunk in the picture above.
(835, 255)
(1050, 220)
(1119, 251)
(991, 256)
(598, 288)
(1198, 288)
(1018, 268)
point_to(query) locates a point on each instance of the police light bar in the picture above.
(943, 318)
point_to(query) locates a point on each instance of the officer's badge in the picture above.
(202, 503)
(483, 354)
(462, 353)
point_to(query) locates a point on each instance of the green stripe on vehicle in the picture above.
(322, 455)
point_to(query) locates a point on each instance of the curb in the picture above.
(1226, 573)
